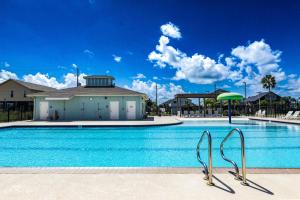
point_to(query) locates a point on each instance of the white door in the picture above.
(114, 109)
(44, 110)
(131, 109)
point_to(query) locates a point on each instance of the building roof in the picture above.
(201, 95)
(32, 86)
(88, 91)
(259, 96)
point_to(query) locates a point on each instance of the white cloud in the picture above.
(89, 53)
(74, 66)
(196, 68)
(170, 30)
(164, 91)
(5, 75)
(259, 54)
(6, 64)
(70, 80)
(247, 63)
(117, 58)
(139, 76)
(292, 87)
(155, 78)
(254, 61)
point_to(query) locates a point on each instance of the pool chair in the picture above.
(288, 115)
(258, 113)
(263, 113)
(296, 115)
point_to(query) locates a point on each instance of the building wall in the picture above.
(89, 108)
(18, 90)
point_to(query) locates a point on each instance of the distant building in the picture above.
(14, 94)
(100, 99)
(172, 104)
(255, 100)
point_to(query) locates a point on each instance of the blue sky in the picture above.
(203, 42)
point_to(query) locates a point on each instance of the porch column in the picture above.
(204, 100)
(199, 104)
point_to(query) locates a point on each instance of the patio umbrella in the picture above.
(229, 96)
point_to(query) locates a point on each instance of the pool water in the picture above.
(267, 145)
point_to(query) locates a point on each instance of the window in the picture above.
(11, 93)
(24, 94)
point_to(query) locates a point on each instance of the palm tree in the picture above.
(268, 82)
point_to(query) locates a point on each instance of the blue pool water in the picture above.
(267, 145)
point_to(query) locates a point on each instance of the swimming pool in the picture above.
(267, 145)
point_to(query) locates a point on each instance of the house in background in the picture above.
(14, 94)
(100, 99)
(172, 104)
(268, 96)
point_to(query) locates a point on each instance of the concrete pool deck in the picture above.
(151, 121)
(141, 183)
(278, 120)
(115, 184)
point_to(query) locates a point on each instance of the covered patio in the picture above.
(202, 110)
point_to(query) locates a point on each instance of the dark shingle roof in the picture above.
(32, 86)
(89, 91)
(259, 96)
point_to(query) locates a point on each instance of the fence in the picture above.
(9, 115)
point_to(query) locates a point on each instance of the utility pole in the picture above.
(245, 85)
(77, 74)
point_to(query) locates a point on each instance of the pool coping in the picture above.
(137, 170)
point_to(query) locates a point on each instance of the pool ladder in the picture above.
(208, 171)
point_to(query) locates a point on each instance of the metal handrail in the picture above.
(242, 155)
(208, 171)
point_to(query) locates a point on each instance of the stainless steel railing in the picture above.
(208, 171)
(244, 180)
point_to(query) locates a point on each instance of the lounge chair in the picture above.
(263, 113)
(288, 115)
(258, 113)
(296, 115)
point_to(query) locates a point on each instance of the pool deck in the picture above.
(278, 120)
(152, 184)
(142, 183)
(151, 121)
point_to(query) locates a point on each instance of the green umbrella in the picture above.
(229, 96)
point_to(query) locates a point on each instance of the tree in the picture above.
(268, 82)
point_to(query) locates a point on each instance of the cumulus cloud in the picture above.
(259, 54)
(246, 63)
(164, 91)
(170, 30)
(5, 75)
(70, 80)
(196, 68)
(139, 76)
(117, 58)
(89, 53)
